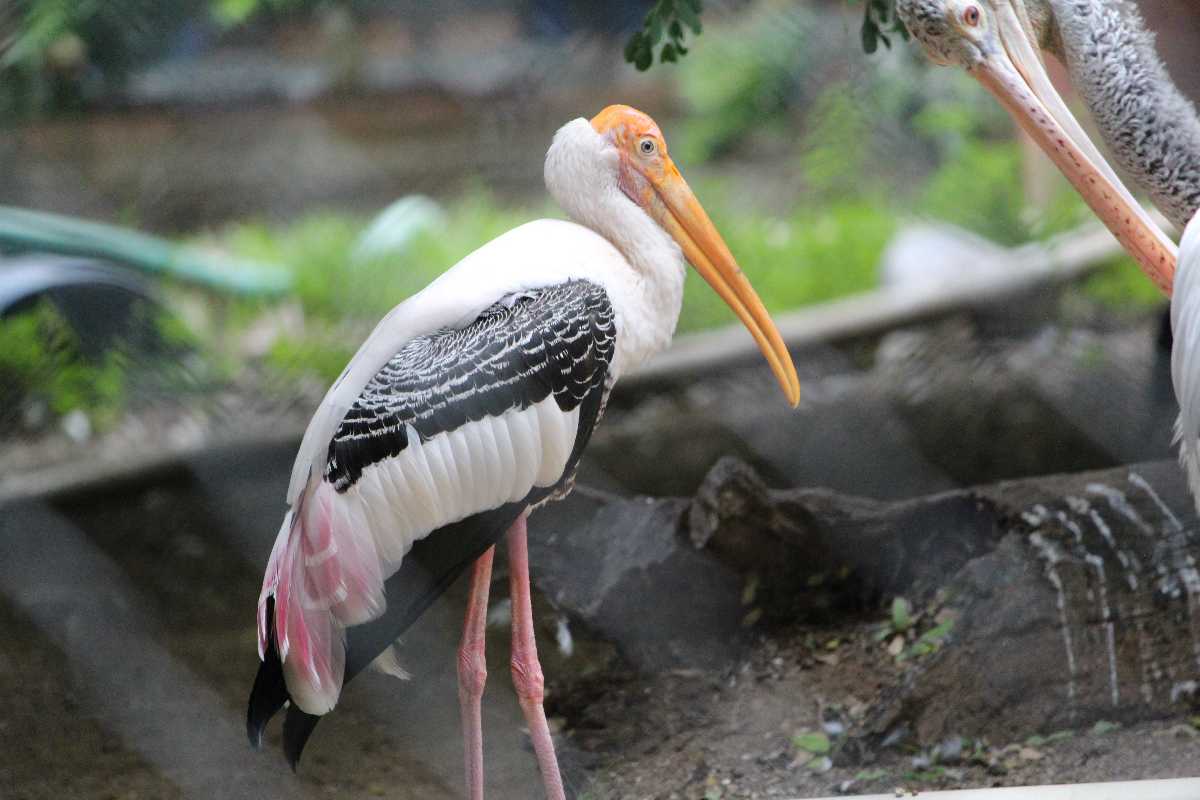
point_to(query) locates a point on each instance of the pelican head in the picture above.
(620, 156)
(996, 41)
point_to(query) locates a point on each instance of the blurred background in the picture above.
(205, 206)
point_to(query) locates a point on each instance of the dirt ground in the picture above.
(734, 735)
(128, 681)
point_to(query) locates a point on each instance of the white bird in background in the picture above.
(469, 405)
(1150, 127)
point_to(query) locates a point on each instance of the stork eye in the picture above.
(647, 147)
(971, 16)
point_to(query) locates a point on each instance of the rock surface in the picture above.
(1065, 599)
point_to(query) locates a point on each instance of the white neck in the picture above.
(647, 290)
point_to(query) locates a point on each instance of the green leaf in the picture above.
(868, 775)
(654, 27)
(870, 35)
(688, 17)
(816, 743)
(1104, 726)
(233, 12)
(901, 617)
(937, 634)
(644, 57)
(667, 54)
(632, 46)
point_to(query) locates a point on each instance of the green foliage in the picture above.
(980, 188)
(901, 615)
(1038, 740)
(879, 19)
(811, 255)
(669, 18)
(44, 22)
(816, 743)
(929, 641)
(835, 148)
(237, 12)
(746, 80)
(63, 53)
(672, 16)
(40, 360)
(323, 356)
(332, 285)
(1122, 287)
(807, 256)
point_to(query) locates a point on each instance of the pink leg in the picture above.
(526, 671)
(472, 672)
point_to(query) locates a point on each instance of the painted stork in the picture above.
(1151, 129)
(469, 405)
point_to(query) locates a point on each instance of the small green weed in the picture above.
(40, 359)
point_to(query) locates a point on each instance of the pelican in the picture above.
(469, 405)
(1150, 128)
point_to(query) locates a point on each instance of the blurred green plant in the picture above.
(322, 353)
(58, 54)
(41, 362)
(836, 147)
(671, 17)
(979, 188)
(331, 284)
(237, 12)
(747, 80)
(1122, 288)
(803, 257)
(809, 256)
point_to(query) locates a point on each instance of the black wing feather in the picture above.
(558, 340)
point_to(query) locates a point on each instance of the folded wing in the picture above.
(458, 423)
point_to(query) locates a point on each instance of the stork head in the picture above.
(621, 157)
(996, 42)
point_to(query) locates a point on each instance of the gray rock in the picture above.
(1073, 598)
(624, 570)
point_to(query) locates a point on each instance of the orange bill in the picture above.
(688, 224)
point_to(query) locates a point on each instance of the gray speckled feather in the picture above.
(1151, 129)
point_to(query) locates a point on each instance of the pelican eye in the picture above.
(647, 147)
(971, 16)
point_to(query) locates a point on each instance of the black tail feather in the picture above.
(432, 565)
(297, 727)
(270, 691)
